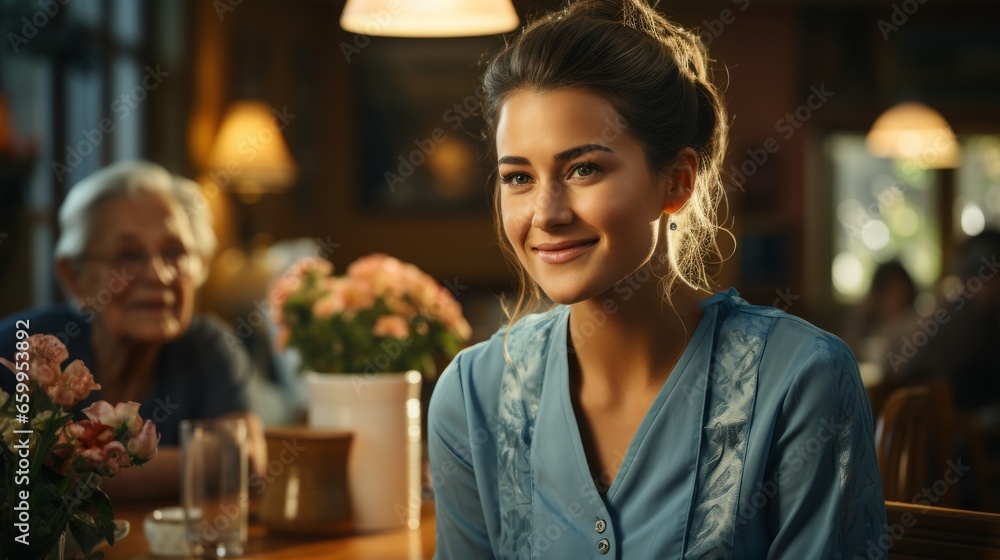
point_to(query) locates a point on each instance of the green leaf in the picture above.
(85, 532)
(102, 502)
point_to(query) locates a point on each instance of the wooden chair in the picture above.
(918, 431)
(914, 441)
(925, 532)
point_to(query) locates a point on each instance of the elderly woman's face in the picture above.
(139, 267)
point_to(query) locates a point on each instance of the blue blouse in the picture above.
(758, 445)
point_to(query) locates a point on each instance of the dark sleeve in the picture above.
(225, 368)
(7, 350)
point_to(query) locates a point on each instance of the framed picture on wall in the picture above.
(420, 125)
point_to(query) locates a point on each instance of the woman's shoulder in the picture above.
(60, 320)
(784, 329)
(48, 319)
(792, 350)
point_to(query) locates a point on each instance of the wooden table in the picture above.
(402, 544)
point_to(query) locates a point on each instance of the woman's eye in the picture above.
(174, 253)
(515, 179)
(129, 258)
(584, 170)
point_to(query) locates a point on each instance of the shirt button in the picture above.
(600, 526)
(603, 546)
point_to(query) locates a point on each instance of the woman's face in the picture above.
(138, 270)
(580, 204)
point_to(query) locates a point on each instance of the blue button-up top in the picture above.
(758, 445)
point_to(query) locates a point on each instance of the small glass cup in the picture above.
(214, 486)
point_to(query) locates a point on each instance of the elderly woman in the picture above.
(133, 248)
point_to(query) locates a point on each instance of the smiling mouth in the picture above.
(564, 252)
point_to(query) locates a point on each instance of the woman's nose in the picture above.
(162, 272)
(551, 207)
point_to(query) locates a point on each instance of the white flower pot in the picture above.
(384, 461)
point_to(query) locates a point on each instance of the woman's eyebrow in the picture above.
(513, 160)
(580, 150)
(561, 156)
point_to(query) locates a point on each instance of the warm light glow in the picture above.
(429, 18)
(848, 274)
(249, 152)
(292, 493)
(875, 235)
(973, 220)
(413, 408)
(915, 133)
(905, 221)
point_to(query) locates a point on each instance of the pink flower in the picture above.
(72, 386)
(382, 272)
(124, 414)
(391, 326)
(96, 447)
(282, 289)
(400, 306)
(59, 457)
(116, 456)
(124, 420)
(109, 459)
(142, 444)
(368, 267)
(358, 295)
(329, 305)
(45, 356)
(445, 309)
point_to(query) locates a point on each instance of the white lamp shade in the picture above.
(429, 18)
(914, 132)
(251, 150)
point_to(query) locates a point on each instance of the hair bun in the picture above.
(637, 14)
(686, 46)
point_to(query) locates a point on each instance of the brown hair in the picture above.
(656, 76)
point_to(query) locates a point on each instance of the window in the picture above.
(68, 83)
(886, 210)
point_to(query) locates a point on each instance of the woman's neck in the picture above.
(125, 366)
(629, 338)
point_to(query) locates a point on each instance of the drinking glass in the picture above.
(214, 486)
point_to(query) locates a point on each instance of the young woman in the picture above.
(642, 416)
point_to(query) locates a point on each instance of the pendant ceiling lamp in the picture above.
(916, 133)
(429, 18)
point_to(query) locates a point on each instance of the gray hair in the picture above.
(79, 211)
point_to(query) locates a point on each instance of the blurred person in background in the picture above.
(134, 246)
(959, 341)
(884, 313)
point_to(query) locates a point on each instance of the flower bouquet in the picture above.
(52, 467)
(379, 321)
(382, 316)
